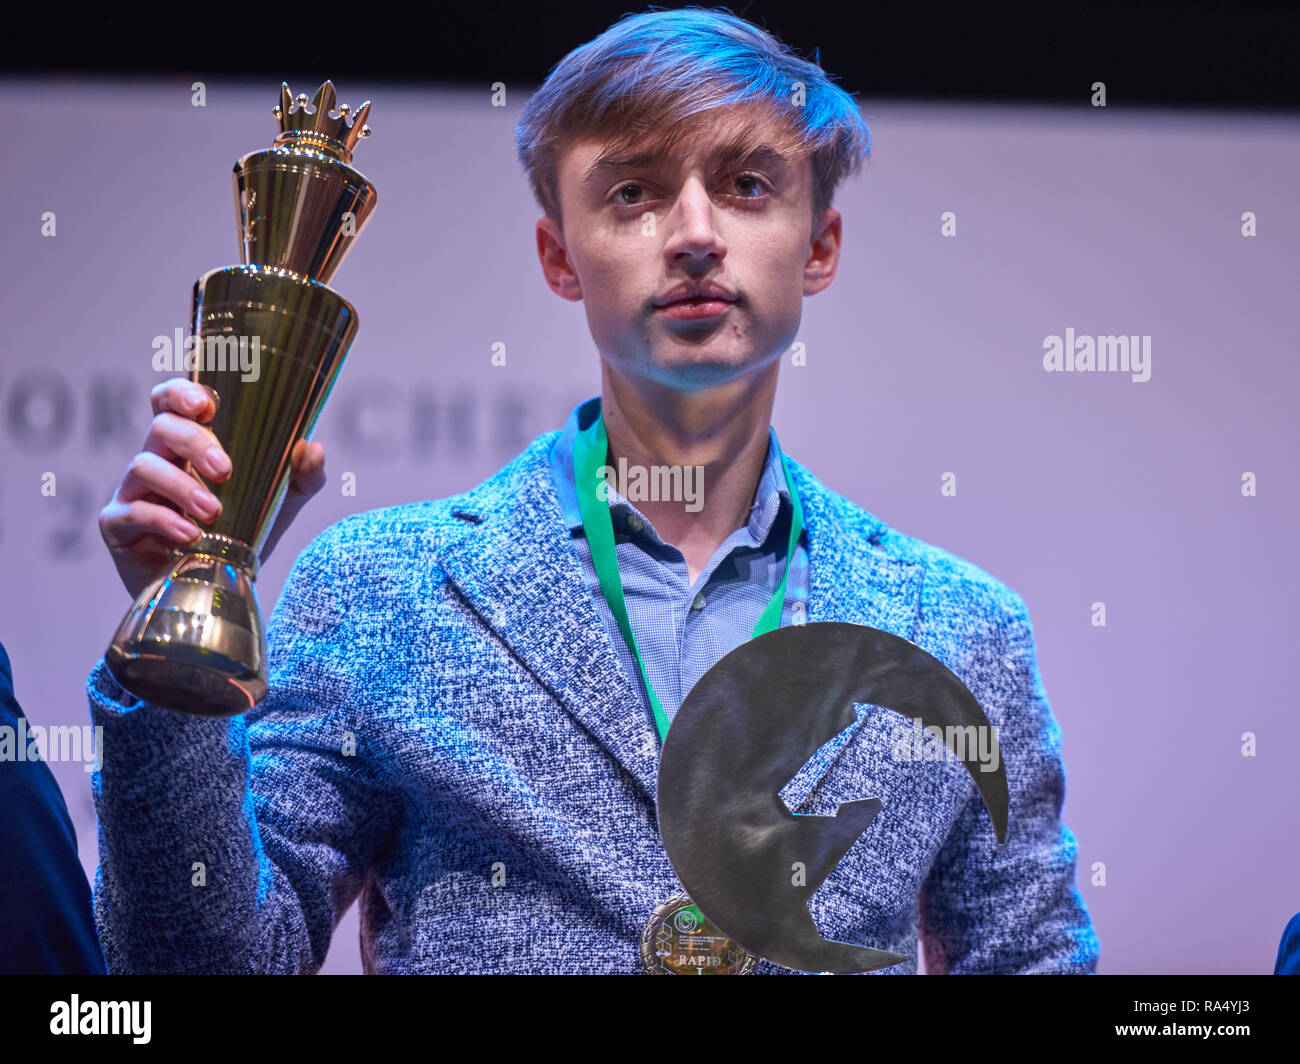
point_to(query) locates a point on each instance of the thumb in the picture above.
(308, 464)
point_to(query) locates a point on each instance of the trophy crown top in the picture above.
(319, 123)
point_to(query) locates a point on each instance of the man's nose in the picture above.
(694, 223)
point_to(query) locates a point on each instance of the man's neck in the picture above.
(724, 430)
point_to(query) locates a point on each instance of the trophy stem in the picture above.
(225, 548)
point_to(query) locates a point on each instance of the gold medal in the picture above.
(678, 940)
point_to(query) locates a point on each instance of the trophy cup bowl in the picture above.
(269, 338)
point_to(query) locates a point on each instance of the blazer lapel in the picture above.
(517, 567)
(851, 578)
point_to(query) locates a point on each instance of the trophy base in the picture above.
(194, 641)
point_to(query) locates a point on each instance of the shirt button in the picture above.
(698, 602)
(635, 523)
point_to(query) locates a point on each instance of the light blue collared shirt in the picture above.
(682, 629)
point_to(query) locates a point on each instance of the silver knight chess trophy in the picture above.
(269, 338)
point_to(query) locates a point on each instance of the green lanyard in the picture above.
(590, 451)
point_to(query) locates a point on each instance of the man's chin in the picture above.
(698, 370)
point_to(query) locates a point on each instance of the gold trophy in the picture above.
(269, 338)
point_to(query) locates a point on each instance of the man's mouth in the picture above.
(699, 300)
(689, 309)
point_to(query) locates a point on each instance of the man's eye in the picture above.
(618, 195)
(751, 181)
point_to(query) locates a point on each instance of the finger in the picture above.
(308, 460)
(149, 474)
(185, 397)
(176, 437)
(123, 524)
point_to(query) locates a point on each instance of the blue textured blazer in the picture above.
(450, 735)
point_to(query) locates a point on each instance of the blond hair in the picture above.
(652, 79)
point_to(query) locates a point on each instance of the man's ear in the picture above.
(824, 253)
(557, 268)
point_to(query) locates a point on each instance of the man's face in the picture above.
(743, 225)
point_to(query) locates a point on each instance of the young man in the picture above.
(456, 726)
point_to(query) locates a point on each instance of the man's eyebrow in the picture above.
(763, 155)
(632, 162)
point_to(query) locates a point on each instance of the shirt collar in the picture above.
(773, 491)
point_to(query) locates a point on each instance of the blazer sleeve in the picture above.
(1288, 950)
(1011, 908)
(50, 930)
(235, 845)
